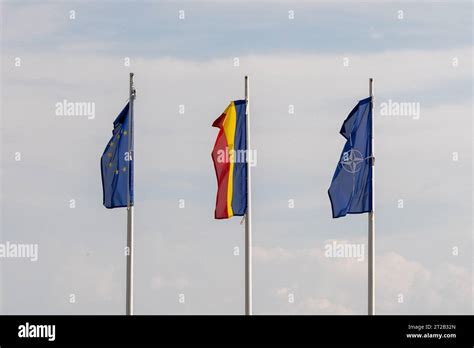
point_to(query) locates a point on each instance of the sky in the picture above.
(317, 62)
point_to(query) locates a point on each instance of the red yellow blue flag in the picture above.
(230, 161)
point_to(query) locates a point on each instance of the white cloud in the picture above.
(321, 285)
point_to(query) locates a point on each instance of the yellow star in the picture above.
(124, 168)
(116, 171)
(110, 164)
(109, 154)
(125, 133)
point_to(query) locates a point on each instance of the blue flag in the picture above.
(351, 187)
(117, 164)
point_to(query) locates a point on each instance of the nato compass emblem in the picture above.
(351, 161)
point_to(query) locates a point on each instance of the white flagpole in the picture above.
(129, 291)
(248, 214)
(371, 259)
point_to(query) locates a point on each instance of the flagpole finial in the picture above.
(133, 92)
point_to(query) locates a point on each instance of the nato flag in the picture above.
(351, 187)
(117, 164)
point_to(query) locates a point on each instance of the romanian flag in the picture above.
(230, 161)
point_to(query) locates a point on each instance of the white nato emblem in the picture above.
(351, 161)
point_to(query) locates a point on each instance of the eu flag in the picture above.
(351, 187)
(117, 163)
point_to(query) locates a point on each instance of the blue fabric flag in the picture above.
(351, 187)
(117, 164)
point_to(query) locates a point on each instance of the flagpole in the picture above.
(248, 214)
(371, 238)
(129, 290)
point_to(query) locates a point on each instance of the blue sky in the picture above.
(218, 29)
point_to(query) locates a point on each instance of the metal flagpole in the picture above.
(371, 260)
(248, 214)
(129, 292)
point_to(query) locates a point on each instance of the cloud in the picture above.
(323, 285)
(173, 162)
